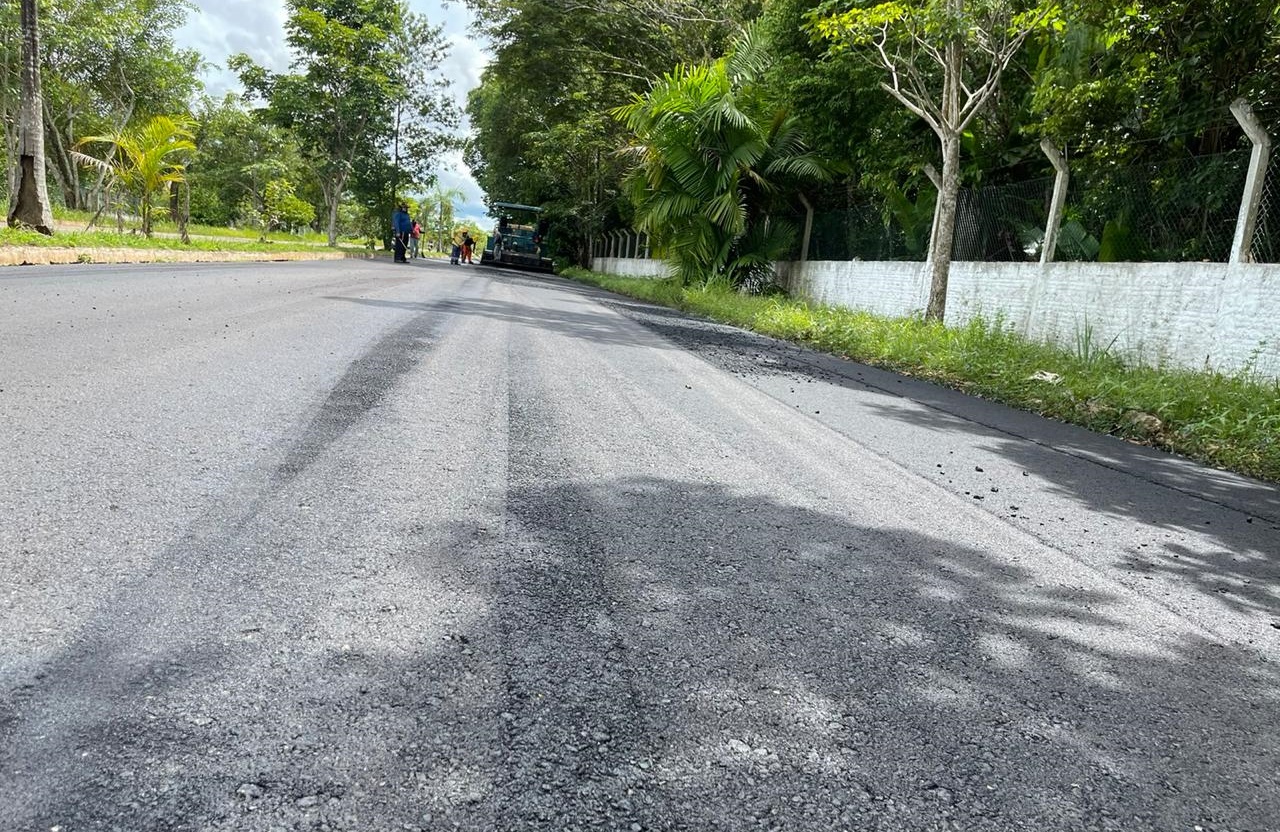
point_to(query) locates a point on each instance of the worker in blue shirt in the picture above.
(401, 226)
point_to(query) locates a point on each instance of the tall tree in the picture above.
(542, 133)
(30, 199)
(438, 213)
(348, 75)
(944, 60)
(103, 64)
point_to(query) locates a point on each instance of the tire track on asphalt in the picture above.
(159, 631)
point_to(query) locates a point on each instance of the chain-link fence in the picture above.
(1003, 222)
(1266, 237)
(1170, 211)
(865, 230)
(622, 243)
(1167, 212)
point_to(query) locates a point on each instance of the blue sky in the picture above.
(221, 28)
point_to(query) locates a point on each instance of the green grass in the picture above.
(110, 239)
(1229, 421)
(107, 224)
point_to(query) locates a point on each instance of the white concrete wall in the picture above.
(631, 267)
(1190, 315)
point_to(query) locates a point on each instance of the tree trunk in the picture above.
(184, 216)
(333, 221)
(944, 234)
(30, 205)
(58, 160)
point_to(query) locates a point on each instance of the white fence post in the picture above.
(1061, 180)
(1242, 245)
(808, 227)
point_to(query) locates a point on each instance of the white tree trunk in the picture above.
(30, 200)
(948, 128)
(945, 232)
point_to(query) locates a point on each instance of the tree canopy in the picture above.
(363, 111)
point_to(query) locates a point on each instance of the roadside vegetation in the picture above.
(1229, 421)
(106, 224)
(317, 155)
(112, 239)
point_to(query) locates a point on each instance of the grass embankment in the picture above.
(1230, 421)
(106, 224)
(111, 239)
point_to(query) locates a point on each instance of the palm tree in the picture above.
(144, 160)
(30, 206)
(437, 213)
(714, 159)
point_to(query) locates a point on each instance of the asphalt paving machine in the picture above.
(519, 241)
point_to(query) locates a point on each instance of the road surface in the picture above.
(351, 546)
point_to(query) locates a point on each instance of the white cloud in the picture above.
(219, 29)
(454, 173)
(467, 60)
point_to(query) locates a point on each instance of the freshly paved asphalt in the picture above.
(352, 546)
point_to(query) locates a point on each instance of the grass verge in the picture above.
(110, 239)
(1229, 421)
(106, 225)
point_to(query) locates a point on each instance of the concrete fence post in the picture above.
(1061, 179)
(808, 227)
(648, 254)
(1251, 202)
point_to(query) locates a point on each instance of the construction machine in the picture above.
(520, 239)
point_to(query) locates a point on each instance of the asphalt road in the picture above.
(352, 546)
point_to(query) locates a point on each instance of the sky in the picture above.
(221, 28)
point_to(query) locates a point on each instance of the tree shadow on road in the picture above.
(757, 664)
(1238, 516)
(678, 655)
(588, 323)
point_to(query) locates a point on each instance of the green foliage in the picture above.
(1113, 77)
(105, 65)
(143, 160)
(1225, 420)
(365, 77)
(280, 209)
(714, 160)
(237, 154)
(542, 130)
(437, 216)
